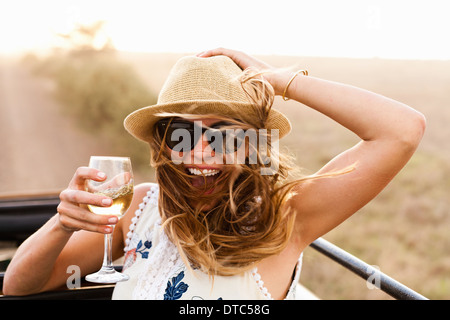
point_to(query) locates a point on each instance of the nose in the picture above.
(202, 150)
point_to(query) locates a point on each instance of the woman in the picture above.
(214, 227)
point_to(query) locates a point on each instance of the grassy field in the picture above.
(406, 229)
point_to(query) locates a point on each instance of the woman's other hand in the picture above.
(276, 77)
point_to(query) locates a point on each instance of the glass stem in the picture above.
(107, 257)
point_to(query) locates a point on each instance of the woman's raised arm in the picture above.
(390, 132)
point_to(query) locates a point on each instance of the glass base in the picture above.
(107, 276)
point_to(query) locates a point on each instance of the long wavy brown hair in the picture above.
(248, 221)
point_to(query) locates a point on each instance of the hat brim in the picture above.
(140, 122)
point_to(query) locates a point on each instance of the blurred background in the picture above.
(70, 71)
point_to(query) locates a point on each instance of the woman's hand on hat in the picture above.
(242, 59)
(276, 77)
(72, 211)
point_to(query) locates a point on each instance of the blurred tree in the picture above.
(96, 88)
(90, 37)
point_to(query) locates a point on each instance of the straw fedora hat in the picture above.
(201, 86)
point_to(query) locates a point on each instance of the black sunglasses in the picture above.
(176, 130)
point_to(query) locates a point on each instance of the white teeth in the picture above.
(206, 172)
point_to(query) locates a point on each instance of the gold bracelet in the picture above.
(305, 73)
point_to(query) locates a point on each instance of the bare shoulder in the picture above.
(140, 191)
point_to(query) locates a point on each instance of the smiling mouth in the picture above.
(204, 178)
(203, 172)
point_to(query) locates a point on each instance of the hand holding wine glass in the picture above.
(118, 186)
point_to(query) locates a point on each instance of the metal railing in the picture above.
(20, 217)
(385, 283)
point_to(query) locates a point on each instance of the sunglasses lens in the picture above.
(223, 140)
(179, 134)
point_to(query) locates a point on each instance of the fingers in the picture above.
(118, 181)
(72, 210)
(85, 173)
(84, 197)
(217, 51)
(242, 59)
(74, 218)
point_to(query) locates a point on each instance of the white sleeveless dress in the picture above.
(157, 271)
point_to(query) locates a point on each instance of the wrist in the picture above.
(279, 79)
(60, 228)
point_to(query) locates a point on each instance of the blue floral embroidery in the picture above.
(144, 250)
(175, 290)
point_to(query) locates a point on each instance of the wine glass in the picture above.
(118, 186)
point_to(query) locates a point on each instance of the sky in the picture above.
(399, 29)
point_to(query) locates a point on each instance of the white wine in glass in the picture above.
(118, 185)
(121, 197)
